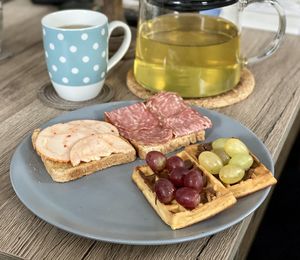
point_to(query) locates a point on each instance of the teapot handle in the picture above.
(274, 44)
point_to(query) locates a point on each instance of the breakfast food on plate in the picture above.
(179, 191)
(230, 160)
(163, 123)
(77, 148)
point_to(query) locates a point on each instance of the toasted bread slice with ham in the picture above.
(216, 198)
(55, 142)
(78, 148)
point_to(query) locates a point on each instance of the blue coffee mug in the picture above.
(76, 51)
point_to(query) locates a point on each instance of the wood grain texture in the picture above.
(22, 24)
(269, 112)
(189, 250)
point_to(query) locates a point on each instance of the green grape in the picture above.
(210, 161)
(219, 143)
(235, 146)
(222, 154)
(231, 174)
(242, 160)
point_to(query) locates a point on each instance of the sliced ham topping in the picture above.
(166, 104)
(55, 142)
(132, 117)
(98, 126)
(187, 122)
(95, 147)
(157, 135)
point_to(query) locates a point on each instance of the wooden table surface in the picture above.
(270, 112)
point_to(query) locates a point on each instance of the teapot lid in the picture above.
(191, 5)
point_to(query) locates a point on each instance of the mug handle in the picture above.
(124, 46)
(274, 44)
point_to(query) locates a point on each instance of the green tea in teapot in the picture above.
(192, 54)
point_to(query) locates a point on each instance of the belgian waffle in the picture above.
(256, 178)
(217, 198)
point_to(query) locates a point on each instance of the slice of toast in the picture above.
(63, 172)
(256, 178)
(218, 198)
(170, 146)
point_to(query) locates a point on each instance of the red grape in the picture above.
(156, 161)
(193, 179)
(204, 178)
(176, 176)
(165, 190)
(187, 197)
(174, 162)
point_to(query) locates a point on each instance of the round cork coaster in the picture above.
(243, 89)
(50, 98)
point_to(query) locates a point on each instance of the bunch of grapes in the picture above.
(229, 158)
(182, 182)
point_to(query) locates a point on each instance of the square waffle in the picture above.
(256, 178)
(216, 198)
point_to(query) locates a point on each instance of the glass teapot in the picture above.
(192, 47)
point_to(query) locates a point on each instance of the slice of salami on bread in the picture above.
(163, 123)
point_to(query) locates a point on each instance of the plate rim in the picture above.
(133, 241)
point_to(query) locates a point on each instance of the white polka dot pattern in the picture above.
(60, 36)
(85, 59)
(84, 36)
(62, 59)
(74, 70)
(65, 80)
(73, 49)
(86, 80)
(96, 46)
(54, 68)
(76, 57)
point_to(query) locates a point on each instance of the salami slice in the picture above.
(132, 118)
(166, 104)
(156, 135)
(187, 122)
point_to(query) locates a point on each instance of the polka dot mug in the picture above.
(76, 50)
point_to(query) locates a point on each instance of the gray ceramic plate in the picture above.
(106, 205)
